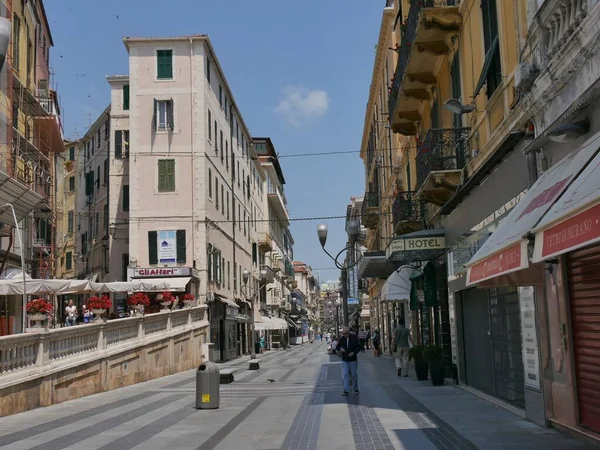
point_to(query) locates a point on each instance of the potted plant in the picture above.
(188, 299)
(38, 310)
(434, 355)
(138, 301)
(421, 367)
(166, 299)
(99, 304)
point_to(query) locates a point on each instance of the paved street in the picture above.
(302, 409)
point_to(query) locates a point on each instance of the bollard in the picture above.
(208, 386)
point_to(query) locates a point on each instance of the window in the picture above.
(208, 70)
(239, 217)
(222, 274)
(105, 214)
(228, 275)
(244, 222)
(89, 183)
(217, 266)
(125, 97)
(163, 115)
(96, 223)
(71, 184)
(221, 95)
(222, 199)
(221, 146)
(105, 171)
(164, 64)
(98, 178)
(209, 183)
(166, 175)
(254, 254)
(209, 125)
(72, 153)
(491, 74)
(69, 261)
(227, 205)
(217, 193)
(121, 144)
(106, 130)
(99, 138)
(70, 221)
(227, 154)
(180, 243)
(238, 171)
(125, 202)
(235, 277)
(225, 98)
(248, 188)
(16, 41)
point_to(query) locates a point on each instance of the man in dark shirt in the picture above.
(349, 346)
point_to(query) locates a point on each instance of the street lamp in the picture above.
(18, 231)
(245, 277)
(353, 229)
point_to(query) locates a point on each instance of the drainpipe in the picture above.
(192, 155)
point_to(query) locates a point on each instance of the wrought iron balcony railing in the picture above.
(407, 208)
(404, 50)
(371, 200)
(441, 150)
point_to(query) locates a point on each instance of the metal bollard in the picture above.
(208, 386)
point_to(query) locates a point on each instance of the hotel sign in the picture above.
(399, 245)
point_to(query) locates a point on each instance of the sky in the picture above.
(299, 70)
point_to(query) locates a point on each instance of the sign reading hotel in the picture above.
(399, 245)
(155, 272)
(578, 231)
(508, 260)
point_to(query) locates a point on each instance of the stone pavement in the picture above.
(302, 409)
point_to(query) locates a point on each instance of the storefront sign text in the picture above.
(162, 272)
(167, 247)
(531, 360)
(508, 260)
(416, 244)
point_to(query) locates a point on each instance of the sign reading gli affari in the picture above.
(154, 272)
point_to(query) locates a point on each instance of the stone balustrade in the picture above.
(563, 18)
(39, 369)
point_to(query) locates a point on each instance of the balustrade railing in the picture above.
(407, 208)
(370, 200)
(563, 18)
(22, 352)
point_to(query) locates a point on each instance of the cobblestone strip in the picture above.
(367, 429)
(304, 432)
(442, 435)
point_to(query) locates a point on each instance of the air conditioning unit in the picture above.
(210, 297)
(525, 75)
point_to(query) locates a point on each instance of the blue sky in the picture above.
(299, 70)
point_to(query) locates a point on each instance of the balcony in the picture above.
(370, 203)
(270, 273)
(265, 242)
(427, 37)
(278, 202)
(407, 213)
(440, 162)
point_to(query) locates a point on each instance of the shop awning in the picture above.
(574, 219)
(397, 287)
(506, 249)
(374, 265)
(226, 301)
(165, 284)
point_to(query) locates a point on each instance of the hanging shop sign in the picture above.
(401, 245)
(154, 272)
(531, 360)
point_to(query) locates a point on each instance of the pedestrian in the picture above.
(362, 336)
(71, 311)
(349, 347)
(367, 338)
(376, 343)
(401, 344)
(284, 342)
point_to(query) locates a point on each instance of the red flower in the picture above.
(139, 298)
(188, 297)
(167, 297)
(102, 302)
(39, 306)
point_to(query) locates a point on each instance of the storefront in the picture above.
(224, 328)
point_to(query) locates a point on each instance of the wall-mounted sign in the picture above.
(154, 272)
(400, 244)
(353, 301)
(531, 359)
(167, 247)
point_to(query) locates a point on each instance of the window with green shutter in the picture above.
(181, 246)
(164, 64)
(125, 97)
(125, 197)
(153, 247)
(69, 261)
(89, 183)
(166, 175)
(72, 153)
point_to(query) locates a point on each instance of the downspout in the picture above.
(192, 156)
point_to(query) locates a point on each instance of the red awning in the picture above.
(506, 249)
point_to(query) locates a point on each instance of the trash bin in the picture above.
(207, 386)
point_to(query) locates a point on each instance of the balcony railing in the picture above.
(442, 150)
(408, 38)
(370, 202)
(407, 212)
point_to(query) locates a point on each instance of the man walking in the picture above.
(401, 343)
(349, 346)
(362, 336)
(367, 338)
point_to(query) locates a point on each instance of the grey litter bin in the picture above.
(207, 386)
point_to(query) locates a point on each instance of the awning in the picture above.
(164, 284)
(23, 198)
(226, 301)
(506, 249)
(574, 220)
(374, 265)
(264, 324)
(397, 286)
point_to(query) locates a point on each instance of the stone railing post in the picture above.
(141, 330)
(101, 337)
(43, 350)
(169, 321)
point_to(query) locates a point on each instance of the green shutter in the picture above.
(125, 197)
(181, 246)
(89, 183)
(125, 97)
(170, 119)
(170, 174)
(166, 175)
(155, 115)
(118, 144)
(254, 256)
(164, 61)
(153, 247)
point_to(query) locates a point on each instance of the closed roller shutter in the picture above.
(584, 290)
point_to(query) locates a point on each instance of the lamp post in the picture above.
(353, 228)
(18, 231)
(245, 277)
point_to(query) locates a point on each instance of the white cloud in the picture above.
(302, 104)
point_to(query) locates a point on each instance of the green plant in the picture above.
(416, 352)
(433, 353)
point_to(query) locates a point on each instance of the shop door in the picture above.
(584, 290)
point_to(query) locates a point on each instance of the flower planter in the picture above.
(37, 320)
(188, 303)
(437, 370)
(97, 312)
(421, 370)
(165, 306)
(137, 310)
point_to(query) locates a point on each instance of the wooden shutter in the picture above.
(126, 143)
(125, 197)
(125, 97)
(89, 183)
(209, 272)
(155, 116)
(170, 119)
(164, 61)
(118, 144)
(583, 269)
(153, 247)
(170, 174)
(181, 246)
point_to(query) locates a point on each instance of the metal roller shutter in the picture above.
(584, 290)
